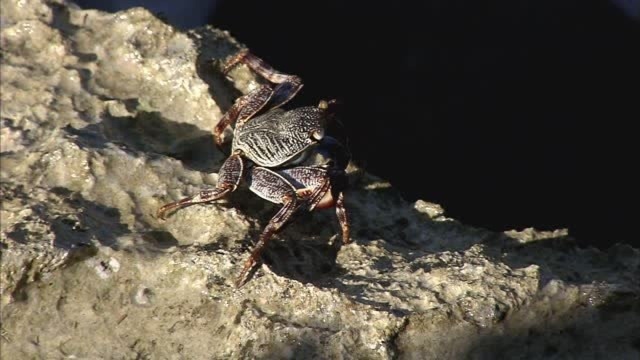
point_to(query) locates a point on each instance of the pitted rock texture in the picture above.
(105, 117)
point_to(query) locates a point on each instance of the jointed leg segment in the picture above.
(275, 224)
(261, 68)
(341, 212)
(242, 110)
(275, 188)
(230, 175)
(284, 88)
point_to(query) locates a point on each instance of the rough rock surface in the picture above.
(107, 116)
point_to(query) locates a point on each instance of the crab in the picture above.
(283, 155)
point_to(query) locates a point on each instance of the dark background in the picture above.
(509, 114)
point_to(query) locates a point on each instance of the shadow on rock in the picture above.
(148, 244)
(308, 261)
(74, 224)
(150, 133)
(572, 328)
(305, 249)
(299, 344)
(412, 238)
(90, 221)
(74, 221)
(213, 48)
(558, 257)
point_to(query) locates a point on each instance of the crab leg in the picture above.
(275, 224)
(242, 110)
(341, 212)
(318, 196)
(286, 87)
(320, 189)
(273, 187)
(230, 175)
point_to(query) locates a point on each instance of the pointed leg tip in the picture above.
(235, 60)
(167, 209)
(242, 279)
(161, 214)
(225, 71)
(219, 144)
(239, 283)
(246, 272)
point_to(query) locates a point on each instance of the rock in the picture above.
(105, 117)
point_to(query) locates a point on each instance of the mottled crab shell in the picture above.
(279, 137)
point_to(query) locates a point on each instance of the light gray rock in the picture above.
(105, 117)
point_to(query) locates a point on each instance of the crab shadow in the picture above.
(74, 228)
(78, 225)
(151, 135)
(309, 260)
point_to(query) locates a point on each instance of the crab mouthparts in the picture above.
(324, 105)
(317, 134)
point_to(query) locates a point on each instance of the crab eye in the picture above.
(317, 134)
